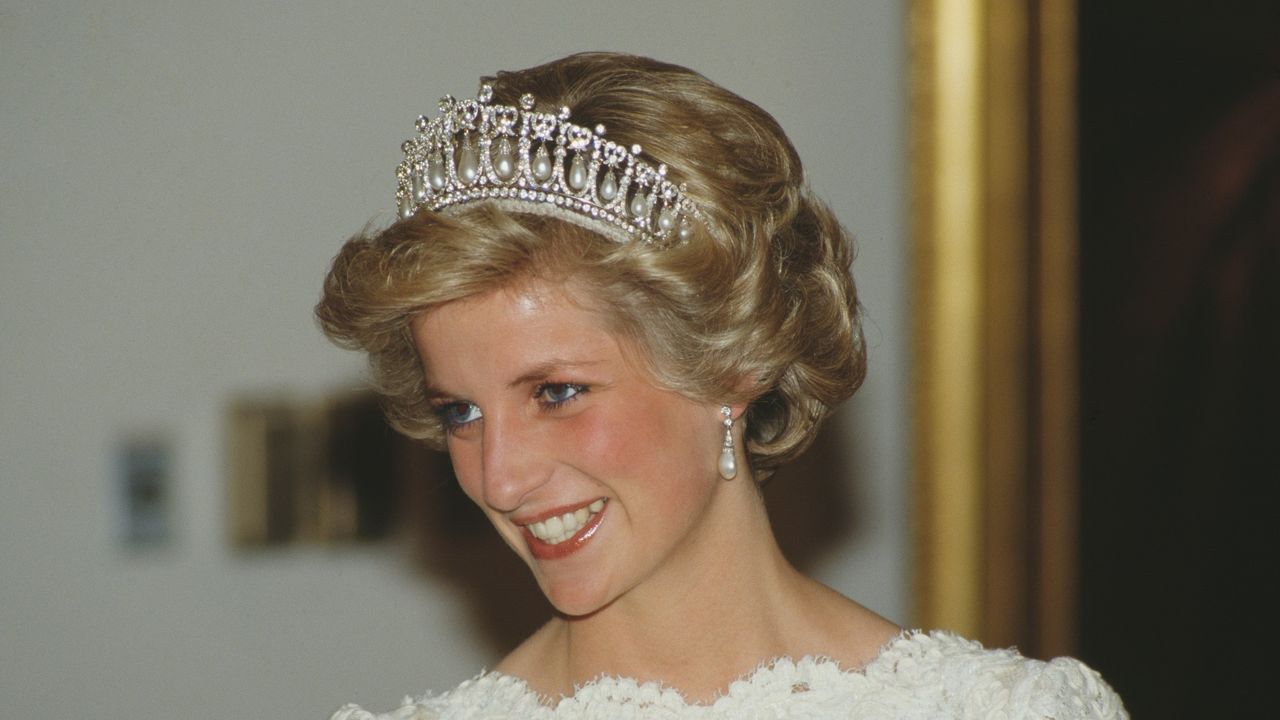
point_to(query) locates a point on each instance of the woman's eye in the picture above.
(458, 414)
(554, 394)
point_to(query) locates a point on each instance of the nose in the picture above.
(514, 462)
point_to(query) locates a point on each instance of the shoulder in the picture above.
(530, 659)
(498, 694)
(967, 680)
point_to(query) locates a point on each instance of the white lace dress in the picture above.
(917, 675)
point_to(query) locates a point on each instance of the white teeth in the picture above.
(556, 530)
(570, 522)
(555, 526)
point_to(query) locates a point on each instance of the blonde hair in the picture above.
(758, 306)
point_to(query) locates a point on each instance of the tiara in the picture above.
(527, 161)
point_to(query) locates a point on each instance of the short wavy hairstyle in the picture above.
(758, 306)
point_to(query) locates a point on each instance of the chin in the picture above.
(575, 599)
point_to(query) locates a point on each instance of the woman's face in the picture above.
(601, 481)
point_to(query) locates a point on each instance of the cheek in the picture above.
(655, 440)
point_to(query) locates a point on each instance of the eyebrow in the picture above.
(538, 373)
(547, 368)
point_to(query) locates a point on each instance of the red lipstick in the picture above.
(546, 551)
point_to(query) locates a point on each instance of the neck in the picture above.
(721, 605)
(712, 613)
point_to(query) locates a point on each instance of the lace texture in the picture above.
(916, 676)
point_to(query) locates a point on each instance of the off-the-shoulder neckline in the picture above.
(658, 693)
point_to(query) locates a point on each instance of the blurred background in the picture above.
(174, 179)
(1180, 347)
(1068, 221)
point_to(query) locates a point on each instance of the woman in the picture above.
(615, 302)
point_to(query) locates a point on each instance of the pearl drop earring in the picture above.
(728, 460)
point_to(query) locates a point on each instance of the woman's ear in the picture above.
(748, 388)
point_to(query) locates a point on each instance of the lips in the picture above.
(563, 532)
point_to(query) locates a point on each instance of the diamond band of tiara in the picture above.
(539, 162)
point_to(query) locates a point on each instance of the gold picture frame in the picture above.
(993, 209)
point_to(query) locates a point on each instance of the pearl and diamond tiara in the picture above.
(539, 162)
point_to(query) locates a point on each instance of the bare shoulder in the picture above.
(528, 660)
(845, 630)
(868, 634)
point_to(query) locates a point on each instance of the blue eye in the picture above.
(456, 414)
(555, 394)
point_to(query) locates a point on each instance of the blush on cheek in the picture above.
(606, 435)
(649, 436)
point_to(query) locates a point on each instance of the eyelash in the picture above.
(540, 393)
(452, 425)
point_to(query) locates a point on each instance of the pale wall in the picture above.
(174, 178)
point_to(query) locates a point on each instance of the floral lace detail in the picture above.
(916, 675)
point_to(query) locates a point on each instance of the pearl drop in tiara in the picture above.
(539, 162)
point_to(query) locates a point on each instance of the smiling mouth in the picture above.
(560, 528)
